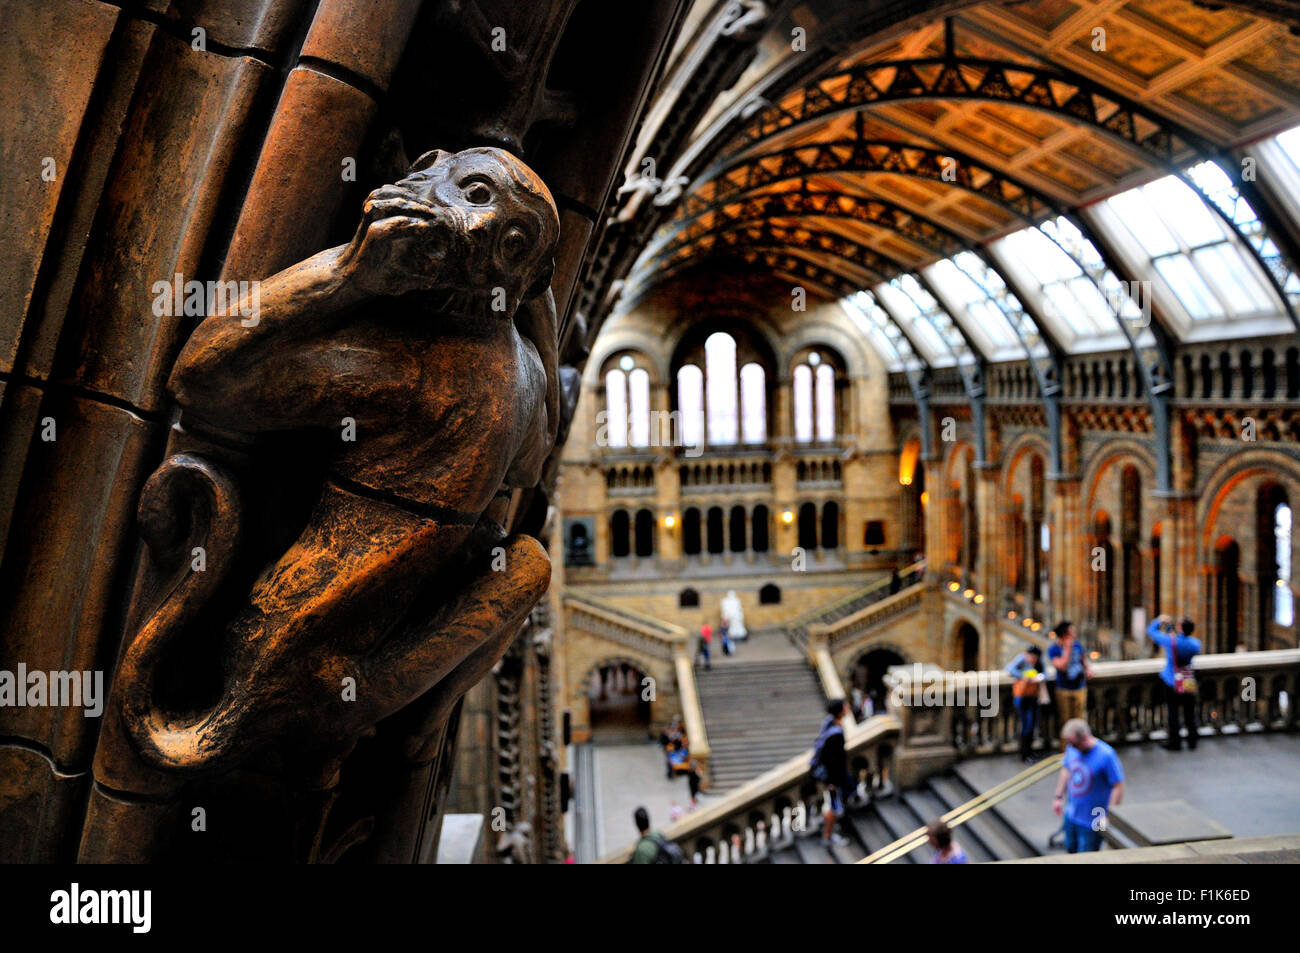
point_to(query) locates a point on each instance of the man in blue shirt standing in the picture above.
(1180, 680)
(1094, 781)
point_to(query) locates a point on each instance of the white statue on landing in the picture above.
(733, 615)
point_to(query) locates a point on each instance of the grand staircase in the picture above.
(985, 837)
(758, 714)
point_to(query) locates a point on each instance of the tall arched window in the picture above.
(638, 383)
(690, 404)
(759, 533)
(1274, 598)
(714, 530)
(691, 532)
(753, 404)
(627, 404)
(645, 533)
(616, 407)
(825, 400)
(803, 403)
(736, 529)
(720, 386)
(830, 526)
(620, 534)
(808, 526)
(1283, 599)
(814, 399)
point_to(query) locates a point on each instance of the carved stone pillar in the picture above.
(1069, 558)
(990, 577)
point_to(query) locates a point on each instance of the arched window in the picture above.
(803, 403)
(616, 407)
(1273, 566)
(1283, 599)
(831, 526)
(825, 400)
(691, 532)
(808, 526)
(769, 595)
(645, 533)
(688, 599)
(715, 530)
(720, 380)
(627, 404)
(753, 404)
(758, 535)
(690, 404)
(814, 399)
(638, 383)
(737, 529)
(620, 534)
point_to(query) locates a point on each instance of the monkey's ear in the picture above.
(543, 281)
(428, 160)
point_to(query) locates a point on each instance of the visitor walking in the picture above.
(946, 850)
(652, 847)
(706, 636)
(1066, 655)
(1179, 677)
(1091, 782)
(1027, 669)
(830, 766)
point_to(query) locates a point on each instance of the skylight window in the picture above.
(1192, 248)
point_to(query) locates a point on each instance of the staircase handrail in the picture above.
(787, 784)
(973, 808)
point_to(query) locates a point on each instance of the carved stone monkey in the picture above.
(434, 331)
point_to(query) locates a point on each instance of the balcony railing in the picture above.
(1238, 692)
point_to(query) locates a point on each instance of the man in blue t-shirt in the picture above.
(1180, 679)
(1094, 781)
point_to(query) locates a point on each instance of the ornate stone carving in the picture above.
(423, 355)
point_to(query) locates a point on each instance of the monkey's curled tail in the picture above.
(190, 516)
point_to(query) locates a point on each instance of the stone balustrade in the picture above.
(946, 716)
(769, 811)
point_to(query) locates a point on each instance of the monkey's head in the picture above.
(493, 225)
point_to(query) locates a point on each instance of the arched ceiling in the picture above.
(894, 141)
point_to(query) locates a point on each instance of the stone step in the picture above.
(989, 829)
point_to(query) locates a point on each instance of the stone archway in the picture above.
(618, 709)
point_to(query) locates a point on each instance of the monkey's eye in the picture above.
(514, 243)
(477, 193)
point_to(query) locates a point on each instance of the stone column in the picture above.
(1069, 558)
(668, 506)
(989, 575)
(935, 514)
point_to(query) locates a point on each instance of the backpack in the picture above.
(666, 851)
(1184, 675)
(819, 772)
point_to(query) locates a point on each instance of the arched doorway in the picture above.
(968, 647)
(867, 675)
(618, 705)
